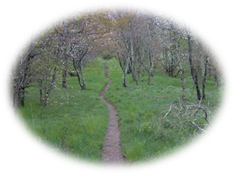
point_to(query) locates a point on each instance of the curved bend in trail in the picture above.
(111, 152)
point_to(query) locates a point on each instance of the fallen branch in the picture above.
(197, 126)
(186, 114)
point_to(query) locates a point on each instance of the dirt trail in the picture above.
(111, 152)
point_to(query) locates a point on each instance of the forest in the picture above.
(164, 83)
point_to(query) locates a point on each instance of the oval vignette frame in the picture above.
(169, 163)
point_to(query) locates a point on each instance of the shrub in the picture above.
(107, 55)
(72, 74)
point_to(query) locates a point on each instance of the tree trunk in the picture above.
(124, 80)
(83, 80)
(50, 88)
(23, 85)
(41, 92)
(204, 79)
(21, 97)
(131, 66)
(149, 75)
(197, 87)
(134, 76)
(136, 80)
(78, 78)
(81, 84)
(125, 72)
(142, 75)
(182, 84)
(193, 73)
(64, 76)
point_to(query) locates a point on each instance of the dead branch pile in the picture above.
(184, 116)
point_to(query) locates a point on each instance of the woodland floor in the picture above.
(111, 152)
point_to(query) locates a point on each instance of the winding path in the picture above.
(111, 152)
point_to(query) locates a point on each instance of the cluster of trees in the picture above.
(141, 42)
(46, 51)
(138, 41)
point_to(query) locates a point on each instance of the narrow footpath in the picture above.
(111, 152)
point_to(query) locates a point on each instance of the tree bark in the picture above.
(193, 72)
(149, 75)
(82, 85)
(25, 82)
(124, 80)
(50, 88)
(125, 72)
(64, 74)
(83, 80)
(182, 84)
(21, 97)
(204, 78)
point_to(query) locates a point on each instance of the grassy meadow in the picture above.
(75, 121)
(141, 108)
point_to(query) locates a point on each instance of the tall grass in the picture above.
(74, 121)
(141, 109)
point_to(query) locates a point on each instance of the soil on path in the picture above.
(111, 152)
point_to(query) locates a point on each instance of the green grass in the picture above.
(141, 109)
(75, 121)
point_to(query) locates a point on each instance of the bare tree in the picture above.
(194, 72)
(17, 77)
